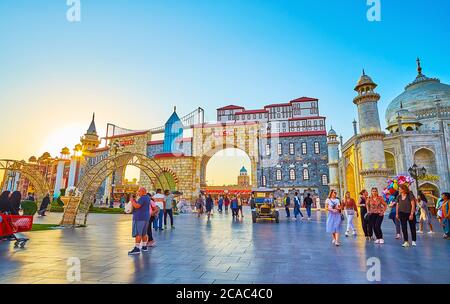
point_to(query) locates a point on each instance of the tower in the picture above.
(90, 140)
(173, 131)
(243, 178)
(333, 159)
(373, 170)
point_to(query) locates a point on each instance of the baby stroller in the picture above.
(12, 224)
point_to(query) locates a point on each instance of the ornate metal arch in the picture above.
(77, 209)
(30, 172)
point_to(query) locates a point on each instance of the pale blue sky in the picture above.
(131, 61)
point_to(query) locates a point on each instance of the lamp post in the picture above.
(115, 146)
(417, 173)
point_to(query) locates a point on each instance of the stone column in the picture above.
(59, 178)
(72, 172)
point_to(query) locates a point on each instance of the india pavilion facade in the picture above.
(418, 132)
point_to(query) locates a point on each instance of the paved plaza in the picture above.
(221, 251)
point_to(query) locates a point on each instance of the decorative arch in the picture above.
(425, 157)
(427, 188)
(77, 209)
(171, 178)
(350, 180)
(390, 162)
(30, 172)
(207, 157)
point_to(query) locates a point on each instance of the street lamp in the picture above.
(114, 146)
(418, 174)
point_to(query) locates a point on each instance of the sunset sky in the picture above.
(131, 61)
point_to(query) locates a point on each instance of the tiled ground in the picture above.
(221, 252)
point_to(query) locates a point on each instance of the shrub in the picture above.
(29, 207)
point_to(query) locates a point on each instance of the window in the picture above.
(317, 147)
(292, 174)
(267, 150)
(264, 181)
(324, 180)
(304, 148)
(280, 149)
(291, 148)
(305, 174)
(279, 175)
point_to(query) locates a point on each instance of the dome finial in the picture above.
(175, 108)
(419, 68)
(364, 72)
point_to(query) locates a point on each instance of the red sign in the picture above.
(125, 143)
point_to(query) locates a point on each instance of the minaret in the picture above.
(333, 159)
(373, 171)
(90, 140)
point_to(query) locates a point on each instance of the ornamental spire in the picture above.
(419, 68)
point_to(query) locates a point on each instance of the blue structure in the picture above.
(173, 132)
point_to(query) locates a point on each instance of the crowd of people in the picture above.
(405, 212)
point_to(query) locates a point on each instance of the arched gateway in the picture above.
(30, 172)
(77, 209)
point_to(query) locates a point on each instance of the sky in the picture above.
(131, 61)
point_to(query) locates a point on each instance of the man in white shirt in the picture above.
(159, 199)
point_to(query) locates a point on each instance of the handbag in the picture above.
(366, 217)
(129, 208)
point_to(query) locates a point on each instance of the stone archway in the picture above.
(30, 172)
(208, 156)
(208, 139)
(77, 209)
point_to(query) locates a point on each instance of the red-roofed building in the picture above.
(298, 115)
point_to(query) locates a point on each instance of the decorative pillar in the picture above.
(333, 159)
(72, 171)
(373, 171)
(59, 178)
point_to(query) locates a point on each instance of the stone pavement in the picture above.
(221, 251)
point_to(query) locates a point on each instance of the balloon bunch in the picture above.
(390, 193)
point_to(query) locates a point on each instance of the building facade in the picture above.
(418, 132)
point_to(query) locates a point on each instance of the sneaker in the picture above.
(420, 231)
(165, 226)
(333, 241)
(354, 233)
(430, 232)
(346, 233)
(337, 244)
(405, 244)
(414, 244)
(172, 227)
(397, 237)
(309, 219)
(377, 241)
(135, 251)
(144, 249)
(381, 241)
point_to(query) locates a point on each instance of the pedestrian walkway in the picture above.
(221, 251)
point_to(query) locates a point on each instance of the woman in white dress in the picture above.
(334, 218)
